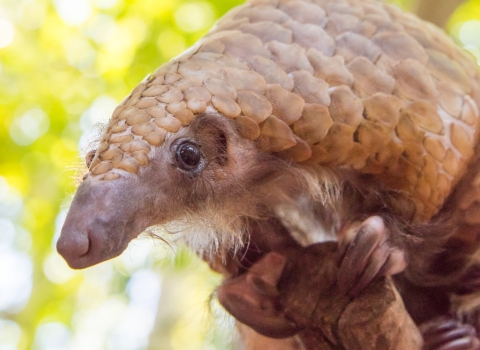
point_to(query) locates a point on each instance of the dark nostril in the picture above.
(89, 244)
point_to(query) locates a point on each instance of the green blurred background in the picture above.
(64, 65)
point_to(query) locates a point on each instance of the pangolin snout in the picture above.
(89, 242)
(98, 226)
(74, 246)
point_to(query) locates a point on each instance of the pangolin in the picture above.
(294, 122)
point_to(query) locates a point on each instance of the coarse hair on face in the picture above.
(237, 184)
(271, 187)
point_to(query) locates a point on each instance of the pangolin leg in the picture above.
(465, 298)
(447, 333)
(252, 298)
(365, 253)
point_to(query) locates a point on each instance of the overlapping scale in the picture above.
(355, 84)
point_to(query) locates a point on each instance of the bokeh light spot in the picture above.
(144, 287)
(10, 334)
(56, 269)
(101, 28)
(119, 51)
(28, 127)
(10, 200)
(194, 16)
(132, 333)
(105, 4)
(137, 29)
(23, 239)
(52, 336)
(7, 232)
(170, 43)
(139, 253)
(80, 54)
(469, 33)
(92, 324)
(73, 12)
(7, 33)
(33, 15)
(15, 279)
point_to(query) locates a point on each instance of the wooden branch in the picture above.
(437, 12)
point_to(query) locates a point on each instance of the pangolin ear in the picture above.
(89, 157)
(211, 131)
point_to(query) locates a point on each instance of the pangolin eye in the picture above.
(89, 157)
(188, 156)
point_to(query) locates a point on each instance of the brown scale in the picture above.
(348, 84)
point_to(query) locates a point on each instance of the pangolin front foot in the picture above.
(447, 333)
(253, 298)
(365, 253)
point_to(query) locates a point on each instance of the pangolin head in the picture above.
(395, 102)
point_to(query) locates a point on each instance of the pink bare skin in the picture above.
(103, 219)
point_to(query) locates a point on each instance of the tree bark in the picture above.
(437, 12)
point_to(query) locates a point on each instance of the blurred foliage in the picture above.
(64, 65)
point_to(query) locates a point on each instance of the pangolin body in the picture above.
(375, 97)
(355, 85)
